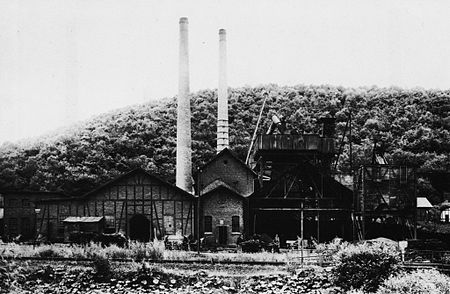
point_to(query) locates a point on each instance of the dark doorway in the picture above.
(140, 228)
(223, 235)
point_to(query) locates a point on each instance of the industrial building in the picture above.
(285, 188)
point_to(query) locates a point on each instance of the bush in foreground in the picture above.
(417, 282)
(153, 250)
(365, 266)
(329, 250)
(10, 276)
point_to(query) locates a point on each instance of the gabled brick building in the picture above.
(225, 183)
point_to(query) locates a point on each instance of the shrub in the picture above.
(329, 250)
(93, 250)
(420, 281)
(102, 267)
(114, 251)
(11, 276)
(251, 246)
(365, 266)
(153, 250)
(158, 248)
(50, 252)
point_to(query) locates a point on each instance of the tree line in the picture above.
(413, 124)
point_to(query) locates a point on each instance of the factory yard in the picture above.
(149, 268)
(335, 267)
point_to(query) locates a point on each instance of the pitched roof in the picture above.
(233, 155)
(216, 184)
(135, 171)
(211, 188)
(422, 202)
(120, 177)
(83, 219)
(36, 193)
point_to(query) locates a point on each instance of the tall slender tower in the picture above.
(184, 152)
(222, 105)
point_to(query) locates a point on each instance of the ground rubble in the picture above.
(150, 280)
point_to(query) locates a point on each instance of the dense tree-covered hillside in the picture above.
(415, 125)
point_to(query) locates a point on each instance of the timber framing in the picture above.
(169, 209)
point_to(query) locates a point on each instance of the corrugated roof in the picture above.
(83, 219)
(422, 202)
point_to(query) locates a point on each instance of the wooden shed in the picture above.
(83, 224)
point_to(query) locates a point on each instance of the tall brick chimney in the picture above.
(184, 151)
(222, 105)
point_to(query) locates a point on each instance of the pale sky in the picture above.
(103, 55)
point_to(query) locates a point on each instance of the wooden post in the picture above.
(198, 208)
(363, 203)
(301, 230)
(415, 203)
(318, 226)
(350, 141)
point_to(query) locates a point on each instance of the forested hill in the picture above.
(415, 124)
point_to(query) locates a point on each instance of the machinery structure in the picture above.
(296, 195)
(385, 202)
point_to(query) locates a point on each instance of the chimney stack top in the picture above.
(183, 20)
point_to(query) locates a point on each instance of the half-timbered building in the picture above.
(138, 204)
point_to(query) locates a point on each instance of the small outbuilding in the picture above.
(423, 208)
(445, 215)
(83, 224)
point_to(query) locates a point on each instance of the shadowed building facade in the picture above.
(138, 204)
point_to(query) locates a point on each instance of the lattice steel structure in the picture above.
(296, 195)
(385, 202)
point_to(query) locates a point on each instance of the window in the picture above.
(13, 226)
(25, 226)
(109, 221)
(13, 202)
(235, 224)
(26, 203)
(208, 224)
(403, 175)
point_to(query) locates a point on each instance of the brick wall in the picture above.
(229, 170)
(19, 213)
(222, 205)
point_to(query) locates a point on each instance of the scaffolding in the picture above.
(385, 202)
(297, 197)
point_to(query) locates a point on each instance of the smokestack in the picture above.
(222, 105)
(184, 152)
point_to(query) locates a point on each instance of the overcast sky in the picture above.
(102, 55)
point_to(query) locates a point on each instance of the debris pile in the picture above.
(153, 280)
